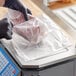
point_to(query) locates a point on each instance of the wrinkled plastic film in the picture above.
(32, 30)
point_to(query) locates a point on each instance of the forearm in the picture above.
(2, 2)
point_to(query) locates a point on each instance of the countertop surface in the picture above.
(53, 59)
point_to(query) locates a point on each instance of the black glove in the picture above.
(5, 29)
(17, 5)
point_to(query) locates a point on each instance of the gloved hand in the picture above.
(5, 29)
(17, 5)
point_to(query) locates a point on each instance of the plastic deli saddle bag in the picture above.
(32, 30)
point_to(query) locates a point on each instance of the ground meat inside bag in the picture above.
(32, 30)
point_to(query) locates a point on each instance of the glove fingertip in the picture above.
(29, 12)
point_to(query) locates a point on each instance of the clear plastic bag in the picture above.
(33, 30)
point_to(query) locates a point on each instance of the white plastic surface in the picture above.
(55, 42)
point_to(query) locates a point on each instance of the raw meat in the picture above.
(32, 30)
